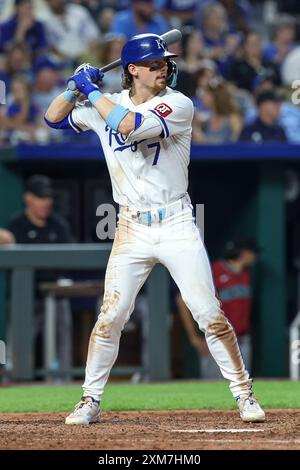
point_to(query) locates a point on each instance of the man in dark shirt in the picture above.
(37, 224)
(265, 127)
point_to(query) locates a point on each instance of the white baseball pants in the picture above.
(176, 243)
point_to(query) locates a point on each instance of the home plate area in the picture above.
(152, 430)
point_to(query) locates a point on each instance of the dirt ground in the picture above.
(152, 430)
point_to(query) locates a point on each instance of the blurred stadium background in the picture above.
(239, 60)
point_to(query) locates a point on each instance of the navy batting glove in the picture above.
(95, 74)
(83, 83)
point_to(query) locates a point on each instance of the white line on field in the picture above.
(264, 441)
(217, 430)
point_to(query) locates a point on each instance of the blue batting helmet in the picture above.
(143, 47)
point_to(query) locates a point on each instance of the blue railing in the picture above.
(239, 151)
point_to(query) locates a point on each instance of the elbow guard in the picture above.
(147, 126)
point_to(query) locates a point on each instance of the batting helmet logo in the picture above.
(161, 44)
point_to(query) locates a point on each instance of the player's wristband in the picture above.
(69, 96)
(94, 96)
(116, 115)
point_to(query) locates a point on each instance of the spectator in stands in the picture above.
(233, 285)
(240, 15)
(289, 117)
(265, 127)
(71, 30)
(207, 70)
(23, 28)
(141, 18)
(291, 6)
(21, 116)
(284, 40)
(48, 82)
(190, 52)
(224, 122)
(192, 48)
(111, 50)
(16, 63)
(264, 81)
(243, 70)
(290, 69)
(93, 6)
(178, 12)
(103, 11)
(105, 20)
(5, 9)
(219, 43)
(38, 224)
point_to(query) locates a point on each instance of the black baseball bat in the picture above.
(169, 37)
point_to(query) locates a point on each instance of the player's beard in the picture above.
(161, 84)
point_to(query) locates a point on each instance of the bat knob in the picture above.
(72, 85)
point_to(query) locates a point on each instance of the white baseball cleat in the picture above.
(85, 412)
(250, 411)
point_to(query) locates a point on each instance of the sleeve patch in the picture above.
(163, 109)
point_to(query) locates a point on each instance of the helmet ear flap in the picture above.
(172, 74)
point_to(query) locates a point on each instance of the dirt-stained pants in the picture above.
(176, 243)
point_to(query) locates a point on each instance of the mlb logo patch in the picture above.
(163, 109)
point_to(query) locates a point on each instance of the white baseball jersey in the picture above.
(145, 173)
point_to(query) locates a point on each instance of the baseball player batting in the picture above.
(145, 133)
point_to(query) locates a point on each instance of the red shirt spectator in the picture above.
(234, 291)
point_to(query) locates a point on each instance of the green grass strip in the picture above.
(162, 396)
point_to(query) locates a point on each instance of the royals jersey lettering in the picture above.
(140, 170)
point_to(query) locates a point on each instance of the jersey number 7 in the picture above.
(155, 145)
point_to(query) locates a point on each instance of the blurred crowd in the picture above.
(237, 61)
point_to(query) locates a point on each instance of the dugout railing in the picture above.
(21, 261)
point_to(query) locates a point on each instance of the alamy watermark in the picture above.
(295, 352)
(2, 352)
(295, 96)
(2, 92)
(106, 226)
